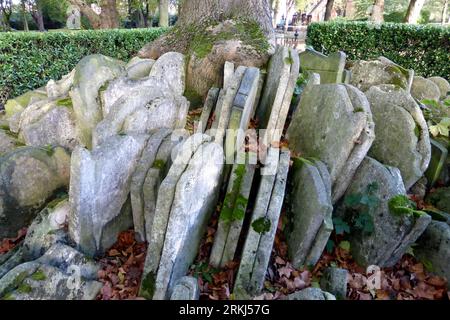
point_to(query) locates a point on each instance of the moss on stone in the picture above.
(193, 97)
(39, 275)
(148, 286)
(64, 103)
(234, 203)
(159, 164)
(261, 225)
(24, 288)
(8, 296)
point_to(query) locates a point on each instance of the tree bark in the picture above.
(377, 11)
(413, 13)
(349, 9)
(109, 17)
(328, 10)
(37, 15)
(163, 13)
(444, 12)
(192, 11)
(24, 16)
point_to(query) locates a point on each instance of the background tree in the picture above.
(377, 11)
(413, 12)
(163, 13)
(107, 19)
(5, 14)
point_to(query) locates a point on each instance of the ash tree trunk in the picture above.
(107, 19)
(210, 32)
(328, 10)
(163, 13)
(413, 12)
(377, 11)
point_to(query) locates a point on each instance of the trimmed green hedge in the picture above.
(28, 60)
(424, 48)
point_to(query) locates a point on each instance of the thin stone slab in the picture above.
(232, 216)
(331, 67)
(333, 123)
(139, 68)
(60, 88)
(402, 135)
(166, 195)
(393, 234)
(443, 85)
(99, 188)
(194, 202)
(139, 176)
(310, 213)
(228, 71)
(334, 280)
(227, 104)
(171, 68)
(260, 238)
(210, 103)
(186, 288)
(439, 154)
(424, 89)
(276, 84)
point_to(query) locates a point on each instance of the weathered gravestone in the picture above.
(310, 212)
(73, 18)
(333, 123)
(186, 288)
(261, 235)
(30, 176)
(331, 68)
(402, 136)
(99, 189)
(425, 89)
(439, 153)
(443, 85)
(186, 199)
(387, 234)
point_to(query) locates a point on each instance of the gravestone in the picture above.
(186, 289)
(330, 68)
(73, 18)
(310, 212)
(261, 235)
(438, 161)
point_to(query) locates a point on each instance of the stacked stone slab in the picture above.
(443, 85)
(232, 215)
(311, 210)
(433, 248)
(30, 176)
(331, 68)
(366, 74)
(282, 75)
(99, 188)
(402, 136)
(436, 168)
(261, 235)
(333, 123)
(425, 89)
(186, 288)
(393, 234)
(186, 200)
(210, 103)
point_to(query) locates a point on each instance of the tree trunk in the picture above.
(108, 18)
(192, 11)
(328, 10)
(163, 13)
(38, 17)
(24, 16)
(377, 11)
(444, 12)
(413, 13)
(349, 9)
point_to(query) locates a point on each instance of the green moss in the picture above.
(39, 275)
(52, 204)
(261, 225)
(8, 296)
(401, 205)
(24, 288)
(64, 103)
(234, 204)
(194, 98)
(148, 286)
(159, 164)
(359, 109)
(298, 162)
(49, 149)
(19, 279)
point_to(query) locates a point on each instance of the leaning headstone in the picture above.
(29, 177)
(392, 233)
(443, 85)
(17, 105)
(60, 88)
(310, 212)
(99, 188)
(366, 74)
(334, 280)
(210, 103)
(260, 238)
(333, 123)
(139, 68)
(425, 89)
(232, 214)
(186, 288)
(91, 74)
(437, 163)
(73, 18)
(402, 135)
(62, 273)
(433, 248)
(331, 67)
(193, 203)
(170, 68)
(228, 71)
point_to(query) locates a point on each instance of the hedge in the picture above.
(28, 60)
(424, 48)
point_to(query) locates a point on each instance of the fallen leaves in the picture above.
(9, 244)
(121, 268)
